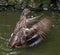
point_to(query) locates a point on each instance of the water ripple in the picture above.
(4, 39)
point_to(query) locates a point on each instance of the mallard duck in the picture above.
(28, 37)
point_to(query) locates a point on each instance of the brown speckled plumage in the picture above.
(21, 34)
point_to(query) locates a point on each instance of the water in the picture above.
(50, 46)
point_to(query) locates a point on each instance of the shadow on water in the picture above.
(50, 46)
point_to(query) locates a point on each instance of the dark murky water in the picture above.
(50, 46)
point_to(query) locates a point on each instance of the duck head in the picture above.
(25, 12)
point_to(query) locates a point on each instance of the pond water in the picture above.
(50, 46)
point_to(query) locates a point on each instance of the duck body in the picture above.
(30, 41)
(28, 37)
